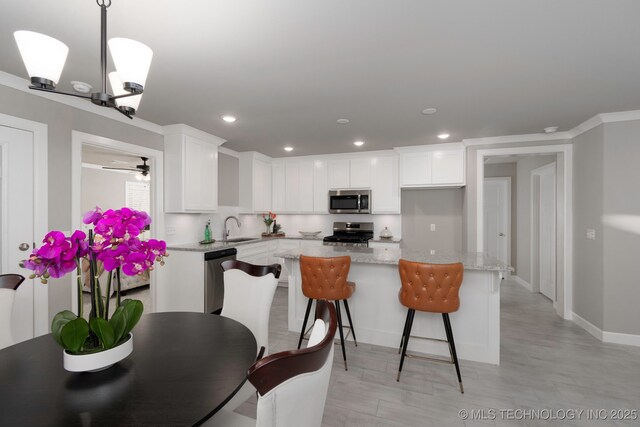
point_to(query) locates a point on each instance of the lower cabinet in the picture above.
(385, 245)
(254, 253)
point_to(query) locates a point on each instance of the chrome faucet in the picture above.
(225, 232)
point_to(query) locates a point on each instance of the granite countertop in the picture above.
(381, 240)
(471, 260)
(219, 244)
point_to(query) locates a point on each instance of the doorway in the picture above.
(125, 163)
(23, 217)
(497, 218)
(556, 244)
(543, 230)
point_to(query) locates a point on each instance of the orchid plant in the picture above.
(114, 241)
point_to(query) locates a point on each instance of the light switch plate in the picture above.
(432, 251)
(433, 227)
(170, 231)
(591, 234)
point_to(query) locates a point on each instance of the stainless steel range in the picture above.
(355, 234)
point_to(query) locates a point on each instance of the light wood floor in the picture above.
(546, 363)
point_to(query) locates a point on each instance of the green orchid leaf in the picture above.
(118, 323)
(74, 334)
(58, 322)
(104, 331)
(126, 317)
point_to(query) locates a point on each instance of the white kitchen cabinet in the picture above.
(385, 190)
(255, 182)
(338, 172)
(360, 172)
(190, 170)
(439, 165)
(297, 191)
(254, 253)
(320, 187)
(447, 167)
(278, 187)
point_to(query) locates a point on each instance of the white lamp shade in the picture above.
(43, 56)
(117, 88)
(132, 60)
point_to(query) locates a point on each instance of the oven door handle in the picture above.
(358, 202)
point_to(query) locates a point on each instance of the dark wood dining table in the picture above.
(184, 368)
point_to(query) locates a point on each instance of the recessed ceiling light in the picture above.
(443, 135)
(359, 143)
(288, 148)
(81, 87)
(229, 119)
(342, 121)
(428, 111)
(550, 129)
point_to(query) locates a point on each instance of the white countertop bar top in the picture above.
(470, 260)
(219, 244)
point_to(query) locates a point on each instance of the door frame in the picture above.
(156, 161)
(507, 181)
(564, 224)
(40, 208)
(534, 219)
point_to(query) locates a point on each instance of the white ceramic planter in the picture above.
(97, 361)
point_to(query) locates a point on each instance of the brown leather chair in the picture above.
(326, 279)
(432, 288)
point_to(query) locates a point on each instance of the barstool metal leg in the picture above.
(344, 353)
(304, 324)
(410, 316)
(353, 331)
(404, 331)
(452, 347)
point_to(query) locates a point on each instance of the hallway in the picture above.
(546, 363)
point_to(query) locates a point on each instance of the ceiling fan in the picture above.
(143, 169)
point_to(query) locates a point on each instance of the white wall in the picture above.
(523, 243)
(442, 207)
(104, 188)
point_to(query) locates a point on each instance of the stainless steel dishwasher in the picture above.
(213, 278)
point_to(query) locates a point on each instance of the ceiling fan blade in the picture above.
(121, 169)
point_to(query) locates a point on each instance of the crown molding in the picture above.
(510, 139)
(182, 129)
(228, 152)
(22, 85)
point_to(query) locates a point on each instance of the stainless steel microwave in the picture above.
(350, 201)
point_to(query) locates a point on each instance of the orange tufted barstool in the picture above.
(432, 288)
(326, 279)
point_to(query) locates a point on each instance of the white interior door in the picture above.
(17, 224)
(547, 231)
(497, 218)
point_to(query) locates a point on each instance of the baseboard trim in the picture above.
(587, 326)
(522, 282)
(618, 338)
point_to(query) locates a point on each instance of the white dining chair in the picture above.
(248, 294)
(9, 284)
(292, 385)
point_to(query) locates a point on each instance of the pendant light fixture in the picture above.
(44, 58)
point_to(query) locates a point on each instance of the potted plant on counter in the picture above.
(268, 219)
(100, 341)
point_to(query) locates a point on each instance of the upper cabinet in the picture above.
(294, 186)
(255, 182)
(338, 173)
(385, 190)
(441, 165)
(190, 170)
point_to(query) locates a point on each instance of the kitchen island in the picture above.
(378, 316)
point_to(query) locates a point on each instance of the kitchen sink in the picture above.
(240, 239)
